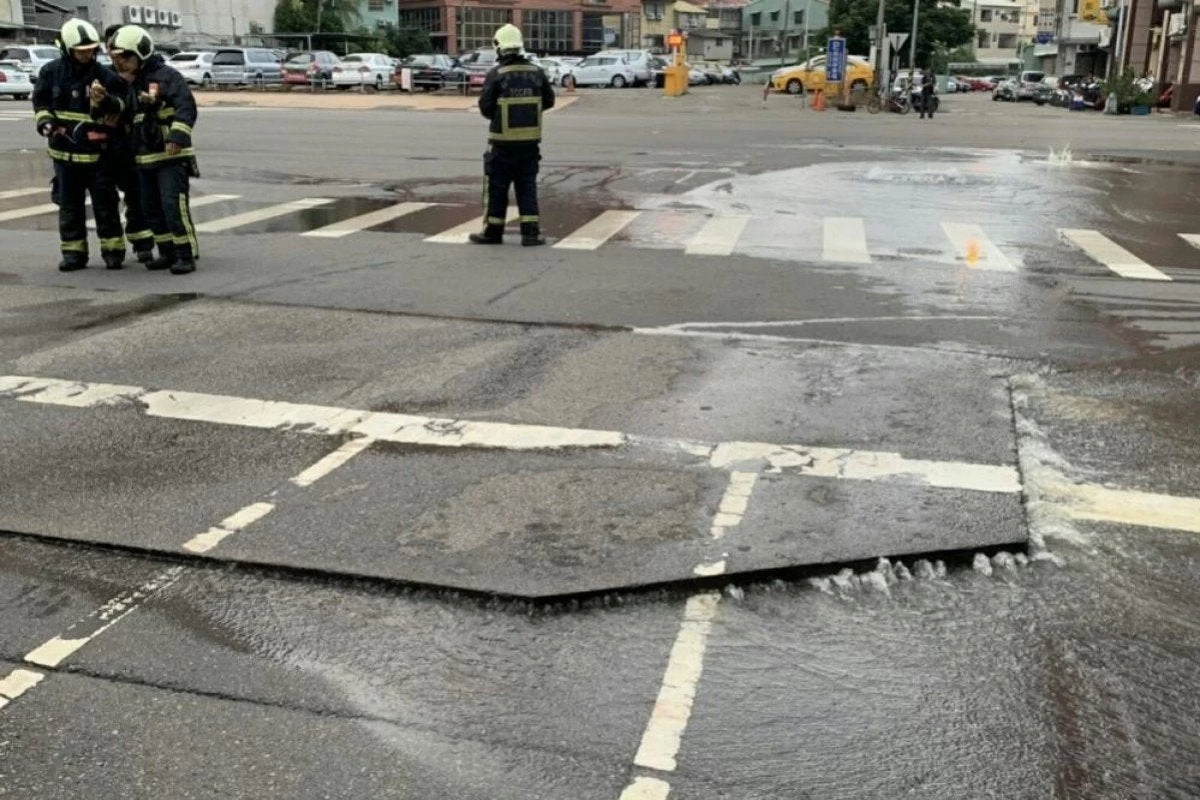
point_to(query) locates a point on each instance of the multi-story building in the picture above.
(1003, 29)
(1160, 40)
(183, 22)
(549, 26)
(1081, 37)
(782, 28)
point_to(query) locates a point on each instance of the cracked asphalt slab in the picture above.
(320, 403)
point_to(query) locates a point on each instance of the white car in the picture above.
(31, 57)
(555, 69)
(640, 61)
(15, 81)
(364, 69)
(196, 67)
(604, 70)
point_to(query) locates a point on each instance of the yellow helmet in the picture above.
(79, 34)
(509, 38)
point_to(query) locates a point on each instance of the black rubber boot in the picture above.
(531, 235)
(145, 256)
(183, 265)
(72, 264)
(492, 234)
(114, 260)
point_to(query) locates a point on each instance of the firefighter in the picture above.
(162, 138)
(120, 164)
(514, 97)
(72, 97)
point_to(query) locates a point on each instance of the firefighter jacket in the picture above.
(168, 118)
(514, 97)
(62, 106)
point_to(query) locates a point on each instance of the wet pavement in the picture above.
(363, 514)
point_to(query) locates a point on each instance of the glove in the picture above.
(44, 128)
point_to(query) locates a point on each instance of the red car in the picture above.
(303, 69)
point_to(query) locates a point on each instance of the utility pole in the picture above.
(807, 12)
(912, 45)
(783, 36)
(880, 39)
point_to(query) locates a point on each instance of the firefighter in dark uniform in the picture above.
(162, 140)
(72, 97)
(119, 161)
(514, 97)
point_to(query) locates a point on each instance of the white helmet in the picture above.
(79, 34)
(132, 39)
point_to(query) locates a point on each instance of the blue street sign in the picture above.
(835, 60)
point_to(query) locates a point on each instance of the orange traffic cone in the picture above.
(819, 101)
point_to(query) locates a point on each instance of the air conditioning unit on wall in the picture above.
(164, 18)
(133, 14)
(1178, 25)
(176, 20)
(149, 15)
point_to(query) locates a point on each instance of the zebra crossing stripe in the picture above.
(845, 240)
(459, 233)
(364, 221)
(598, 231)
(974, 247)
(1191, 238)
(197, 202)
(28, 190)
(718, 237)
(1112, 255)
(261, 215)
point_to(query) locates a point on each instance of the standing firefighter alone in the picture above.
(514, 97)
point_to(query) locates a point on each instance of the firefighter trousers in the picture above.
(125, 176)
(167, 205)
(515, 166)
(73, 184)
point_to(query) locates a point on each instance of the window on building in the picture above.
(756, 19)
(653, 10)
(984, 40)
(797, 17)
(1007, 41)
(375, 5)
(593, 32)
(550, 31)
(774, 16)
(477, 26)
(985, 15)
(422, 19)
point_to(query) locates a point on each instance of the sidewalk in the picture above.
(348, 101)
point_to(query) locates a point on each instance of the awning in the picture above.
(685, 7)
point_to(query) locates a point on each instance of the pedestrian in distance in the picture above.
(514, 98)
(119, 161)
(72, 98)
(163, 118)
(927, 87)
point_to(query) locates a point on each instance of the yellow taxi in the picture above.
(810, 76)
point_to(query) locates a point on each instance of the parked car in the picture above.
(1045, 90)
(241, 66)
(30, 57)
(810, 76)
(310, 68)
(429, 72)
(640, 61)
(15, 81)
(363, 69)
(194, 66)
(556, 69)
(951, 86)
(474, 66)
(1005, 90)
(1028, 85)
(604, 70)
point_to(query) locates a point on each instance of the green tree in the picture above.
(943, 28)
(403, 42)
(310, 16)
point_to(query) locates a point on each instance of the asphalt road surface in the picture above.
(819, 456)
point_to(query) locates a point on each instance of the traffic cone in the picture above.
(819, 101)
(570, 84)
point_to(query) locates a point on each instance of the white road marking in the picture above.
(198, 202)
(734, 503)
(846, 240)
(644, 788)
(1112, 255)
(710, 570)
(17, 683)
(332, 461)
(261, 214)
(203, 542)
(718, 237)
(58, 649)
(11, 193)
(974, 247)
(673, 708)
(28, 211)
(364, 221)
(866, 465)
(598, 231)
(459, 233)
(1191, 238)
(1100, 504)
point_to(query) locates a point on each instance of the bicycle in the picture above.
(897, 103)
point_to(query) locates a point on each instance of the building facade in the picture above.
(550, 27)
(784, 29)
(1160, 40)
(190, 23)
(1003, 30)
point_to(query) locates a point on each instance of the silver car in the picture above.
(246, 66)
(31, 57)
(196, 67)
(15, 82)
